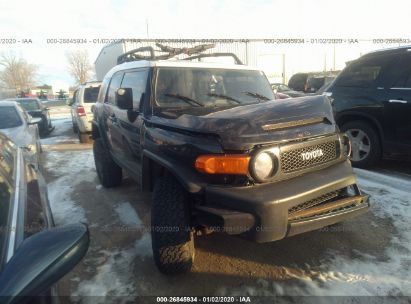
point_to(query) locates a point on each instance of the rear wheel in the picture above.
(365, 143)
(109, 173)
(172, 239)
(83, 137)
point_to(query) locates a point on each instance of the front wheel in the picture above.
(365, 143)
(172, 239)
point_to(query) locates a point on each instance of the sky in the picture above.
(45, 19)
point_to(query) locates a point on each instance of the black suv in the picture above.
(372, 104)
(219, 154)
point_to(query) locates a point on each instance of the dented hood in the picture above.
(242, 127)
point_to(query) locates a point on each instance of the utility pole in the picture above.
(148, 37)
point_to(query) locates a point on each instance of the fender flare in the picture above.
(189, 179)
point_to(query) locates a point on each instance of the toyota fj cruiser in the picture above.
(218, 153)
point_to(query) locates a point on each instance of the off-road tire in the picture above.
(172, 239)
(109, 173)
(375, 145)
(83, 137)
(75, 128)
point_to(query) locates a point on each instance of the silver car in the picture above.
(21, 128)
(84, 98)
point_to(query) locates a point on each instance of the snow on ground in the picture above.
(340, 275)
(72, 168)
(114, 277)
(127, 214)
(114, 274)
(62, 125)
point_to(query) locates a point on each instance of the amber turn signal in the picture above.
(223, 164)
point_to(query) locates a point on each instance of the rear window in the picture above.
(91, 94)
(28, 104)
(9, 118)
(363, 73)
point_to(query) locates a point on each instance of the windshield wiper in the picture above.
(224, 96)
(256, 95)
(185, 98)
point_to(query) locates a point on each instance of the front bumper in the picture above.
(261, 212)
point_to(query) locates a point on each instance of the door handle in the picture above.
(397, 101)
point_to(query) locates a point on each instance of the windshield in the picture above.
(29, 104)
(9, 118)
(201, 87)
(91, 94)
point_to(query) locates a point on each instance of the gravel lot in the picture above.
(369, 255)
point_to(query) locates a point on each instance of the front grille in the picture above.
(293, 160)
(314, 202)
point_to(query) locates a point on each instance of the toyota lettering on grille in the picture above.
(312, 154)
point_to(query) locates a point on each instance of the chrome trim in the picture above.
(293, 123)
(400, 88)
(397, 101)
(12, 236)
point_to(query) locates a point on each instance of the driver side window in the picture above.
(114, 86)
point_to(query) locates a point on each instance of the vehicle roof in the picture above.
(178, 63)
(8, 103)
(88, 84)
(395, 50)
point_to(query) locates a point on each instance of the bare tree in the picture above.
(79, 65)
(16, 73)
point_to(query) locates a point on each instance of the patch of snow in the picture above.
(127, 214)
(71, 169)
(113, 278)
(99, 187)
(143, 246)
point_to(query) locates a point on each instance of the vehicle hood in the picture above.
(241, 128)
(19, 136)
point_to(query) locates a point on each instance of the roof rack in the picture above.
(234, 56)
(170, 52)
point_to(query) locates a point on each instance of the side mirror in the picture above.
(34, 120)
(124, 98)
(41, 260)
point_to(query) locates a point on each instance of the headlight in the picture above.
(263, 166)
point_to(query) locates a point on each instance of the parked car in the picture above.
(284, 89)
(21, 128)
(315, 83)
(372, 102)
(35, 108)
(33, 254)
(219, 154)
(83, 99)
(311, 82)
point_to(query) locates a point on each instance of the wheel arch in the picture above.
(353, 116)
(154, 166)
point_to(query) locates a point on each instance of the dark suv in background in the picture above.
(372, 103)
